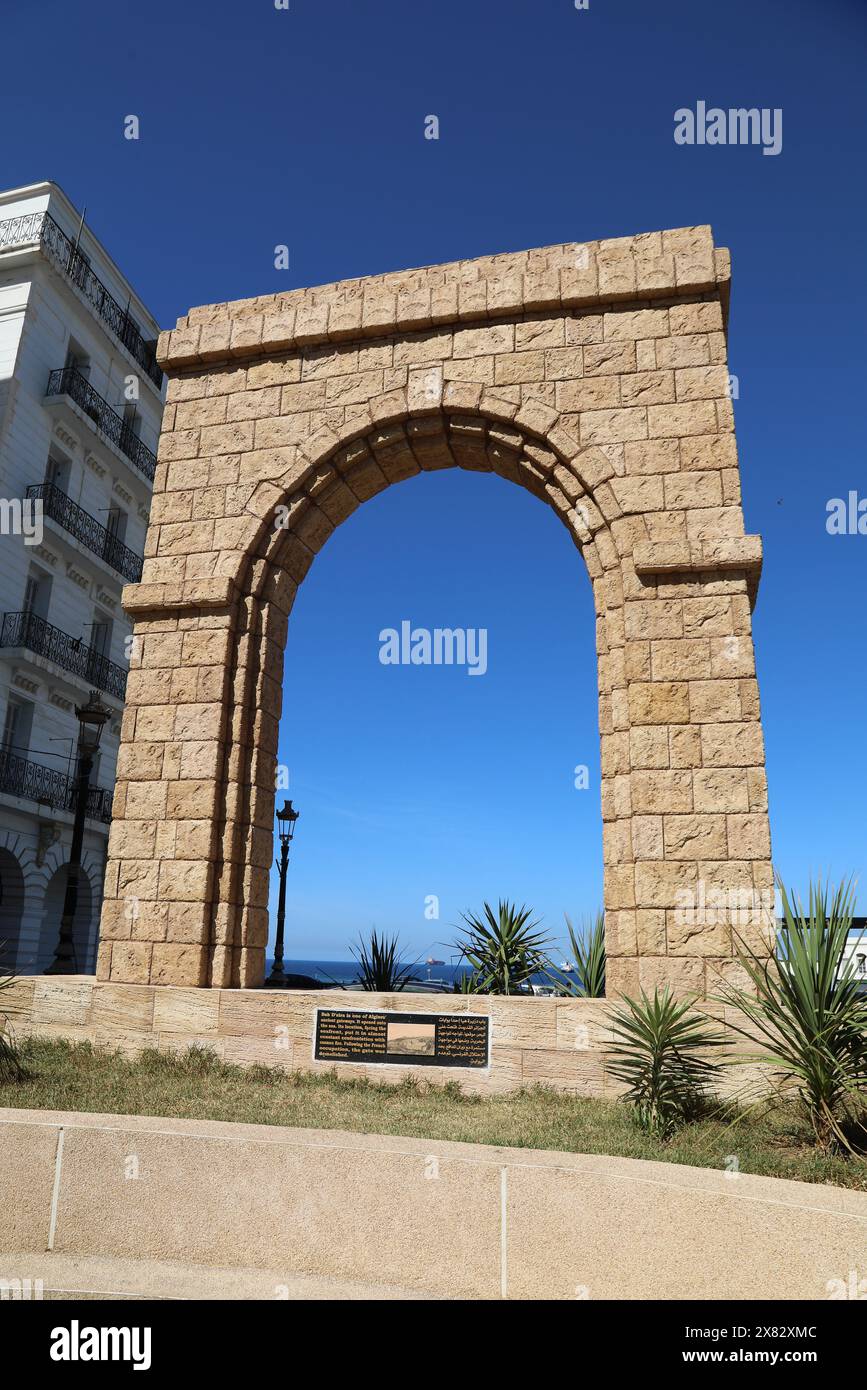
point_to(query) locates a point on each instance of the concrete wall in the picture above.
(454, 1220)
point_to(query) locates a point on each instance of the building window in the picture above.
(100, 634)
(57, 471)
(131, 422)
(77, 357)
(37, 592)
(17, 726)
(115, 523)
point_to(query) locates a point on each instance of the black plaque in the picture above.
(402, 1039)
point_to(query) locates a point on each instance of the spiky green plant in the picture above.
(10, 1064)
(588, 958)
(807, 1011)
(466, 983)
(503, 949)
(381, 967)
(659, 1053)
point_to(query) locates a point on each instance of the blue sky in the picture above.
(305, 127)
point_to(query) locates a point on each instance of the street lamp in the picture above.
(91, 719)
(286, 819)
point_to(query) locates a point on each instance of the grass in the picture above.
(197, 1085)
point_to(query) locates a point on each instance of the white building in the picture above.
(81, 401)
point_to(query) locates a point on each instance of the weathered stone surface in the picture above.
(593, 376)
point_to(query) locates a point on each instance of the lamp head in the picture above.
(92, 719)
(286, 818)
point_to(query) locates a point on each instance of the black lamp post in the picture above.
(286, 828)
(91, 719)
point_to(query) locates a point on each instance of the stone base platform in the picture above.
(561, 1043)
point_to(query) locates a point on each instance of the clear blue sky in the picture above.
(305, 127)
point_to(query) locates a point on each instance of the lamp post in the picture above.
(286, 828)
(91, 719)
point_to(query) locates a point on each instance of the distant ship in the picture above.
(432, 961)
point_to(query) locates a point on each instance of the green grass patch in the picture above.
(196, 1085)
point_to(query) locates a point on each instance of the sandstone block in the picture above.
(659, 702)
(664, 791)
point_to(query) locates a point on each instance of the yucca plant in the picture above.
(466, 983)
(807, 1010)
(381, 967)
(503, 949)
(10, 1064)
(588, 958)
(659, 1052)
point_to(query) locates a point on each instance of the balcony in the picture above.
(70, 653)
(86, 529)
(41, 228)
(68, 381)
(20, 777)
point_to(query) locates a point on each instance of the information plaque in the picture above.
(418, 1040)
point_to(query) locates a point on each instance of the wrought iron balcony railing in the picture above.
(88, 530)
(68, 381)
(20, 777)
(41, 228)
(27, 630)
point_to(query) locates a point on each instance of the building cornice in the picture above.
(53, 191)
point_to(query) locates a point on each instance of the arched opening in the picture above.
(83, 931)
(295, 521)
(425, 789)
(11, 909)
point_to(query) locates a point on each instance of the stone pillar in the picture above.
(157, 918)
(688, 875)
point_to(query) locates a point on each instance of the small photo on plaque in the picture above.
(411, 1039)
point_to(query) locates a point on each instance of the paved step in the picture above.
(91, 1277)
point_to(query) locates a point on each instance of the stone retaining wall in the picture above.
(562, 1043)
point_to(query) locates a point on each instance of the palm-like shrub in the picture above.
(659, 1052)
(466, 983)
(588, 958)
(381, 968)
(503, 949)
(806, 1009)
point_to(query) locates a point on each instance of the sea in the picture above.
(437, 977)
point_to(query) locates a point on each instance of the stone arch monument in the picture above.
(593, 375)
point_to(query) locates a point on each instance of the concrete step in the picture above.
(77, 1277)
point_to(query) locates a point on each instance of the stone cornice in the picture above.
(730, 553)
(651, 267)
(681, 557)
(204, 595)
